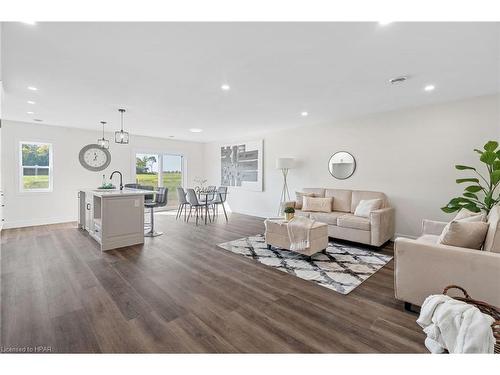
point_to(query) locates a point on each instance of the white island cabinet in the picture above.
(114, 218)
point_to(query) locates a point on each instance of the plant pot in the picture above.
(289, 216)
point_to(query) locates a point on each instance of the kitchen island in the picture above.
(114, 218)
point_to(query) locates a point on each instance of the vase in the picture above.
(289, 216)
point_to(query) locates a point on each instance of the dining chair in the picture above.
(193, 201)
(160, 200)
(207, 197)
(183, 203)
(219, 200)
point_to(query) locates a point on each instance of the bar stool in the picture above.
(160, 200)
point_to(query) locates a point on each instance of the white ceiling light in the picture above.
(429, 88)
(384, 23)
(195, 130)
(30, 102)
(32, 88)
(29, 22)
(225, 87)
(304, 114)
(30, 112)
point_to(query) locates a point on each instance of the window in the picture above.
(35, 166)
(146, 169)
(160, 170)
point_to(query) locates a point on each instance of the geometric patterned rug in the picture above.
(342, 268)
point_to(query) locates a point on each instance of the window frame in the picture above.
(50, 168)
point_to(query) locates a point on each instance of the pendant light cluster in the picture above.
(121, 137)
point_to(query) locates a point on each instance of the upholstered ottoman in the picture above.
(277, 235)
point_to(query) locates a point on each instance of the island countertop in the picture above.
(117, 192)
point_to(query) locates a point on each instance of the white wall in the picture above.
(60, 205)
(408, 154)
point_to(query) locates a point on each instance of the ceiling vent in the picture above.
(398, 80)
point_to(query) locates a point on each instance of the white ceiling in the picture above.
(168, 75)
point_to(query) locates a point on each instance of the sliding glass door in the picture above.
(172, 177)
(161, 170)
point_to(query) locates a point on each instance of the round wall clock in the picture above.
(94, 158)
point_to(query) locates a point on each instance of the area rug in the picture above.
(342, 268)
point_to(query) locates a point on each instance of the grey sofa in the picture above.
(342, 224)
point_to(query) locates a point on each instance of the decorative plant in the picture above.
(289, 213)
(481, 194)
(200, 184)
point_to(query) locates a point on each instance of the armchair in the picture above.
(423, 267)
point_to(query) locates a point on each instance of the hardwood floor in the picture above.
(180, 293)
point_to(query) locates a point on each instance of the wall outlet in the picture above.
(136, 202)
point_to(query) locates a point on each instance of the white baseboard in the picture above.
(34, 222)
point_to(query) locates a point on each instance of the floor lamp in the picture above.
(284, 164)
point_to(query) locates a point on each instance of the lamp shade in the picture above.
(285, 163)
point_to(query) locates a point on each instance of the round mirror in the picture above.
(342, 165)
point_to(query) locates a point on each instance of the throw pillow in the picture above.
(465, 214)
(317, 204)
(298, 198)
(470, 235)
(366, 206)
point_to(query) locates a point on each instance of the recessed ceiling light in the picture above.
(304, 114)
(32, 88)
(195, 130)
(225, 87)
(30, 113)
(384, 23)
(30, 102)
(429, 88)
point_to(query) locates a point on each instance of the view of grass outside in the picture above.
(147, 172)
(35, 182)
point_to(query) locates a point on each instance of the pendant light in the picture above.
(103, 142)
(121, 136)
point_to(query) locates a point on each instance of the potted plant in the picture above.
(289, 213)
(482, 193)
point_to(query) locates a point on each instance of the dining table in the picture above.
(205, 197)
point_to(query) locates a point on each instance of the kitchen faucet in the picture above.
(121, 178)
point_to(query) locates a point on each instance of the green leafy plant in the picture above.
(481, 194)
(289, 210)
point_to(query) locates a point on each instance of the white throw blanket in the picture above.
(299, 229)
(455, 326)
